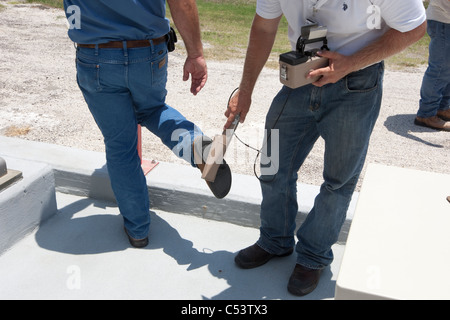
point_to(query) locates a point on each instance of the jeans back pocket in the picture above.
(159, 72)
(88, 76)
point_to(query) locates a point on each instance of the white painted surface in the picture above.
(399, 244)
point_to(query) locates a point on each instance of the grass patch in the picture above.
(51, 3)
(225, 26)
(412, 57)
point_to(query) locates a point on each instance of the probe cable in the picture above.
(259, 151)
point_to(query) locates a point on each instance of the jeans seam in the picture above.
(288, 176)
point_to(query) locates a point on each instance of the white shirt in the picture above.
(439, 10)
(351, 24)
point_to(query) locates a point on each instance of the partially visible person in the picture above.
(434, 110)
(121, 60)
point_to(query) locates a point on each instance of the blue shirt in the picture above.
(100, 21)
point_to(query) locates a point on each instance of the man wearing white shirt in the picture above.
(341, 107)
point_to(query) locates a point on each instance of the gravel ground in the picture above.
(40, 101)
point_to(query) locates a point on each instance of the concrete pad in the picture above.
(398, 245)
(28, 202)
(83, 253)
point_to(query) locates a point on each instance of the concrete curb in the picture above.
(27, 202)
(172, 187)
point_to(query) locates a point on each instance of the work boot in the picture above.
(444, 114)
(222, 184)
(303, 280)
(137, 243)
(434, 122)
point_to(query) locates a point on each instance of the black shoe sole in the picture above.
(301, 292)
(222, 184)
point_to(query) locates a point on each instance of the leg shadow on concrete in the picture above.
(89, 227)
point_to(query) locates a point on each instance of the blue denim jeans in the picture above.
(435, 91)
(344, 115)
(124, 88)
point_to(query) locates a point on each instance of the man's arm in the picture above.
(392, 42)
(185, 17)
(262, 37)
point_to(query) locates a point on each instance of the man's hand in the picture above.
(239, 104)
(185, 17)
(197, 70)
(339, 66)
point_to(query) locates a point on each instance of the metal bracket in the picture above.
(7, 177)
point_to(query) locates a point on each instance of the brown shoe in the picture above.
(433, 123)
(444, 114)
(303, 280)
(254, 256)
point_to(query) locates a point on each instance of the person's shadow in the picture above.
(72, 233)
(403, 125)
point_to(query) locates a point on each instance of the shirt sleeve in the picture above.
(403, 15)
(269, 9)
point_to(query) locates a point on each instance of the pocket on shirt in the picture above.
(88, 75)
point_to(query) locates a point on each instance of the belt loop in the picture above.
(125, 51)
(125, 48)
(96, 49)
(152, 45)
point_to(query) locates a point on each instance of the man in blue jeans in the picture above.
(122, 56)
(342, 107)
(434, 109)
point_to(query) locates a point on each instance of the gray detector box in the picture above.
(294, 67)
